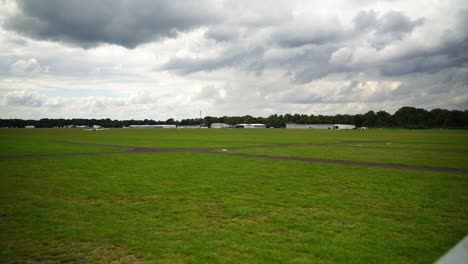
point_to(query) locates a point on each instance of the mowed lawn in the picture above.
(213, 208)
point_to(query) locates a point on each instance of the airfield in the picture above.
(232, 195)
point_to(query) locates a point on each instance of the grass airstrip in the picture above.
(231, 195)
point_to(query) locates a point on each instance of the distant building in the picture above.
(320, 126)
(250, 126)
(29, 127)
(220, 125)
(344, 126)
(309, 126)
(152, 126)
(189, 126)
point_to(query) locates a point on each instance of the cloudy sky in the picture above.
(152, 59)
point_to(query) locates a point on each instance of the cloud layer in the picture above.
(128, 23)
(173, 58)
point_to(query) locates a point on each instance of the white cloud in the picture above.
(28, 66)
(56, 102)
(143, 97)
(461, 99)
(24, 98)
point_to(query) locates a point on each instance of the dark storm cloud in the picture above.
(450, 53)
(312, 72)
(397, 22)
(422, 64)
(247, 32)
(390, 27)
(123, 22)
(393, 26)
(317, 40)
(314, 64)
(386, 28)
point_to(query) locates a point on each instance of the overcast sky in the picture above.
(137, 59)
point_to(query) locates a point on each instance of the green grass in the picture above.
(208, 208)
(38, 141)
(418, 157)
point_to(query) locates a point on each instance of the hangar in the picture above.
(320, 126)
(250, 126)
(220, 125)
(152, 126)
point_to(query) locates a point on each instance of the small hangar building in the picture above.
(250, 126)
(152, 126)
(320, 126)
(220, 125)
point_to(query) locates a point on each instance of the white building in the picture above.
(320, 126)
(309, 126)
(220, 125)
(152, 126)
(29, 127)
(194, 126)
(345, 126)
(250, 126)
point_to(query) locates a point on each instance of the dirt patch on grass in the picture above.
(364, 141)
(138, 149)
(361, 142)
(352, 163)
(109, 253)
(148, 149)
(77, 252)
(69, 154)
(313, 160)
(356, 144)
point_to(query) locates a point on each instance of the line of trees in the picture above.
(405, 117)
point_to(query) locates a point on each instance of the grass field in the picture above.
(110, 202)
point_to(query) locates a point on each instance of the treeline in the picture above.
(405, 117)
